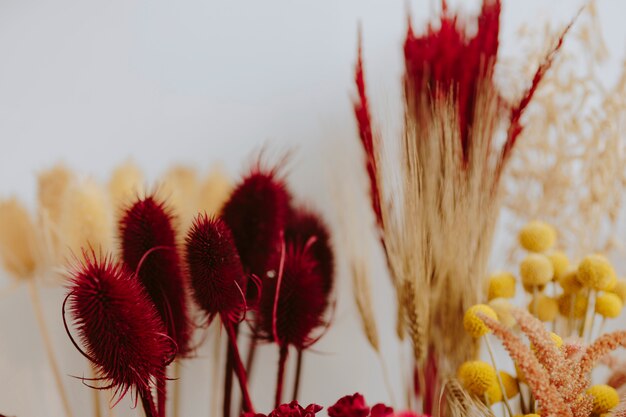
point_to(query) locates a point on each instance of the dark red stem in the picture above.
(250, 362)
(162, 393)
(238, 367)
(296, 385)
(282, 360)
(228, 380)
(148, 403)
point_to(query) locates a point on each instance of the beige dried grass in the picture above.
(19, 248)
(461, 404)
(179, 188)
(126, 182)
(214, 191)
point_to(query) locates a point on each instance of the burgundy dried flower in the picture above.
(292, 304)
(293, 409)
(215, 269)
(119, 327)
(256, 213)
(350, 406)
(306, 229)
(149, 248)
(381, 410)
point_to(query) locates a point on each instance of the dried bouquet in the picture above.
(154, 273)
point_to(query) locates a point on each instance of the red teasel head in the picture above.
(293, 409)
(215, 271)
(256, 213)
(293, 300)
(119, 327)
(306, 229)
(149, 249)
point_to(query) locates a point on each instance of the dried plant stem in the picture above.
(238, 367)
(217, 359)
(110, 410)
(589, 316)
(148, 403)
(250, 361)
(495, 366)
(522, 404)
(280, 376)
(387, 381)
(176, 388)
(162, 393)
(296, 384)
(228, 380)
(47, 343)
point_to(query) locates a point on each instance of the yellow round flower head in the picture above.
(502, 307)
(473, 324)
(560, 263)
(501, 285)
(532, 415)
(569, 282)
(477, 377)
(609, 305)
(494, 393)
(537, 236)
(536, 270)
(595, 271)
(547, 307)
(510, 384)
(604, 398)
(620, 289)
(576, 301)
(531, 289)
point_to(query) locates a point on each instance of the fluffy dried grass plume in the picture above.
(179, 188)
(18, 240)
(126, 182)
(569, 166)
(51, 187)
(86, 218)
(214, 190)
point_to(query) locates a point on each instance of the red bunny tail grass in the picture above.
(215, 271)
(149, 248)
(292, 304)
(306, 229)
(119, 327)
(256, 213)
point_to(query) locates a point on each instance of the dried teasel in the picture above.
(256, 213)
(148, 240)
(217, 281)
(119, 328)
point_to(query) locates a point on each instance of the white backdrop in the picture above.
(196, 81)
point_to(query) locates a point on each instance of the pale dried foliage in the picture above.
(126, 183)
(19, 243)
(461, 404)
(214, 191)
(179, 187)
(432, 248)
(569, 167)
(363, 297)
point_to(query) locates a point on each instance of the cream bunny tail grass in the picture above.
(179, 188)
(214, 190)
(126, 183)
(19, 248)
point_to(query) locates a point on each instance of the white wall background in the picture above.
(196, 81)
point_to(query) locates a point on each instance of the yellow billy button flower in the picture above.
(536, 270)
(494, 394)
(546, 307)
(569, 282)
(474, 324)
(532, 415)
(596, 272)
(609, 305)
(560, 263)
(576, 301)
(477, 377)
(604, 398)
(620, 289)
(501, 285)
(510, 384)
(537, 236)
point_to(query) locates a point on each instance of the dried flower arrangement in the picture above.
(150, 270)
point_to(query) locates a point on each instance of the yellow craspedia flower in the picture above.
(573, 305)
(604, 398)
(560, 263)
(569, 282)
(502, 307)
(537, 236)
(477, 377)
(545, 308)
(620, 289)
(595, 271)
(532, 415)
(473, 324)
(494, 393)
(510, 384)
(501, 285)
(536, 270)
(609, 305)
(532, 289)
